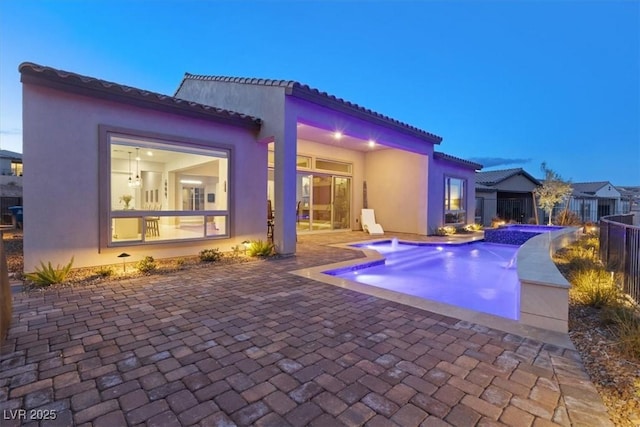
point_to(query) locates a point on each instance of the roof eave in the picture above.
(54, 81)
(335, 104)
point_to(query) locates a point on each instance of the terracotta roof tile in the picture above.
(77, 83)
(305, 91)
(444, 156)
(490, 178)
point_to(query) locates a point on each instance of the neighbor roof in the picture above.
(463, 162)
(589, 187)
(6, 154)
(308, 93)
(90, 86)
(490, 178)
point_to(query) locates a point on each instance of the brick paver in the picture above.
(251, 344)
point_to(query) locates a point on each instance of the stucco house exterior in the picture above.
(506, 194)
(590, 201)
(148, 174)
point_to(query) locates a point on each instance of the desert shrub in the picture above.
(146, 265)
(567, 218)
(47, 275)
(595, 288)
(104, 271)
(626, 319)
(260, 248)
(473, 227)
(445, 231)
(210, 255)
(237, 251)
(180, 263)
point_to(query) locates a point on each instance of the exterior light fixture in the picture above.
(337, 135)
(124, 256)
(372, 143)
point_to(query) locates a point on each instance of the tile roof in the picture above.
(490, 178)
(463, 162)
(304, 91)
(90, 86)
(589, 187)
(6, 154)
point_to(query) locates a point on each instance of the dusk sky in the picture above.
(505, 83)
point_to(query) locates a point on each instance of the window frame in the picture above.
(107, 214)
(447, 201)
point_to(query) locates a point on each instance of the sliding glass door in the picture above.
(324, 202)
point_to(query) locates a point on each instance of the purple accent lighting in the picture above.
(477, 276)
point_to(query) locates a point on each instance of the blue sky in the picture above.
(508, 84)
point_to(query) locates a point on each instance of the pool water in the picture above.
(477, 276)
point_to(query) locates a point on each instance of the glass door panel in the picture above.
(303, 202)
(321, 203)
(341, 203)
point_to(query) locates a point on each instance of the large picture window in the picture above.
(454, 205)
(165, 191)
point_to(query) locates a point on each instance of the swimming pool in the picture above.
(478, 276)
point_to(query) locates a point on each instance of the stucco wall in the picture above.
(61, 213)
(516, 184)
(397, 190)
(490, 203)
(438, 170)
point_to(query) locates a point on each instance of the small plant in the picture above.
(146, 265)
(180, 263)
(627, 321)
(104, 271)
(47, 275)
(595, 288)
(472, 227)
(210, 255)
(260, 248)
(237, 251)
(445, 231)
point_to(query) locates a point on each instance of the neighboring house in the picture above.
(590, 201)
(506, 194)
(10, 163)
(150, 174)
(10, 183)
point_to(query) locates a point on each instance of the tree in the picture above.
(553, 190)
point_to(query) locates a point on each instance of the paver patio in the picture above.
(251, 344)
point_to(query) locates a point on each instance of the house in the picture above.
(168, 176)
(10, 163)
(506, 194)
(590, 201)
(328, 158)
(10, 183)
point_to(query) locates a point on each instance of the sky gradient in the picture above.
(506, 84)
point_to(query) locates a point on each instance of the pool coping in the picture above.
(556, 337)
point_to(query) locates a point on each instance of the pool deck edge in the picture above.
(546, 335)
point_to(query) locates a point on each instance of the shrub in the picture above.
(627, 321)
(104, 271)
(180, 263)
(567, 218)
(595, 288)
(210, 255)
(473, 227)
(260, 248)
(237, 251)
(146, 265)
(47, 275)
(445, 231)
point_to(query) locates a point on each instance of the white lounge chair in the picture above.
(368, 218)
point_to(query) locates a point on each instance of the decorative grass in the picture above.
(260, 248)
(593, 287)
(47, 275)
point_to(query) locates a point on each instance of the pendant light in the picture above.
(130, 181)
(138, 181)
